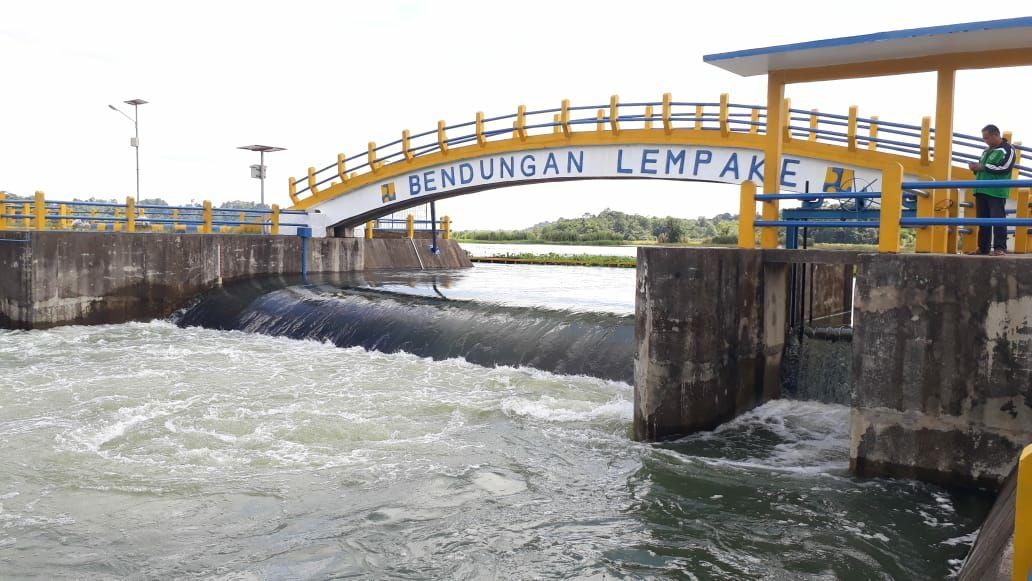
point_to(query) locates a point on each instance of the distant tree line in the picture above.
(614, 227)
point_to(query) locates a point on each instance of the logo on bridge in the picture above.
(838, 180)
(387, 192)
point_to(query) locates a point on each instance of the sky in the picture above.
(320, 78)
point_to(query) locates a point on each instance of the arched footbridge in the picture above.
(717, 141)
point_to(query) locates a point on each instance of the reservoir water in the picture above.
(456, 425)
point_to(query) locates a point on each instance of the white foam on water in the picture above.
(497, 484)
(812, 438)
(552, 409)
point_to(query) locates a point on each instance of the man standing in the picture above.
(990, 202)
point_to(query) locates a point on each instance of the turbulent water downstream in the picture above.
(151, 450)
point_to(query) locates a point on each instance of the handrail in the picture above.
(935, 216)
(704, 116)
(43, 214)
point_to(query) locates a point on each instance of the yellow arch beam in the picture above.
(803, 148)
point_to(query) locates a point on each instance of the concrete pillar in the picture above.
(710, 329)
(942, 359)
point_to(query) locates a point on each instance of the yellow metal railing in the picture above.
(410, 222)
(41, 214)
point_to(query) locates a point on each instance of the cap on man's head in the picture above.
(991, 129)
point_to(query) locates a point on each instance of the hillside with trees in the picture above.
(613, 227)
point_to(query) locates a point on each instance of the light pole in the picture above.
(135, 141)
(258, 171)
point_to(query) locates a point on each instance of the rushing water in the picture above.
(149, 450)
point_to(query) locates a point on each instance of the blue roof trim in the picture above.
(877, 36)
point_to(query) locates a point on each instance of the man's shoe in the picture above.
(998, 252)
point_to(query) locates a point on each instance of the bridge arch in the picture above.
(704, 142)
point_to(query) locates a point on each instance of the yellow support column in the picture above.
(747, 216)
(1022, 566)
(117, 225)
(410, 227)
(442, 138)
(520, 125)
(971, 238)
(668, 124)
(292, 191)
(564, 117)
(3, 213)
(926, 140)
(786, 108)
(614, 114)
(311, 182)
(446, 227)
(369, 230)
(41, 211)
(175, 217)
(26, 211)
(371, 157)
(130, 214)
(891, 208)
(274, 229)
(851, 128)
(725, 127)
(206, 216)
(1021, 237)
(772, 155)
(872, 132)
(942, 166)
(925, 209)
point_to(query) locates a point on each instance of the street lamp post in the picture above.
(258, 171)
(135, 141)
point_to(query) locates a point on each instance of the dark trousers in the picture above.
(996, 236)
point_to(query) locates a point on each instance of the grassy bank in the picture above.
(561, 259)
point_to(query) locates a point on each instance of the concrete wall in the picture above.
(415, 254)
(710, 329)
(829, 289)
(942, 367)
(60, 278)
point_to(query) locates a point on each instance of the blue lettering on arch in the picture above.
(414, 188)
(702, 156)
(489, 173)
(503, 167)
(731, 165)
(551, 163)
(785, 174)
(465, 173)
(672, 159)
(524, 165)
(647, 161)
(754, 169)
(447, 175)
(572, 161)
(428, 181)
(619, 163)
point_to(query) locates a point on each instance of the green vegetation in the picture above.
(564, 259)
(610, 227)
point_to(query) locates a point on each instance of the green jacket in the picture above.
(998, 162)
